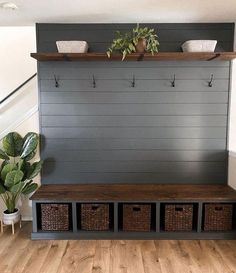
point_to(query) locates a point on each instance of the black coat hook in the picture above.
(173, 82)
(210, 83)
(94, 82)
(133, 82)
(56, 81)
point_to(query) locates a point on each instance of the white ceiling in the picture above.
(110, 11)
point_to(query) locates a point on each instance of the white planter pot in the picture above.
(72, 46)
(199, 46)
(8, 218)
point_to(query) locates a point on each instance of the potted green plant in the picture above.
(145, 39)
(139, 40)
(16, 171)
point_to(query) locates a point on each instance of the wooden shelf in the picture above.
(161, 56)
(134, 192)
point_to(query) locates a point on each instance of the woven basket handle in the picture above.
(95, 207)
(178, 209)
(218, 208)
(54, 207)
(136, 209)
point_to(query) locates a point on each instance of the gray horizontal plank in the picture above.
(174, 34)
(68, 72)
(115, 133)
(132, 121)
(133, 97)
(134, 109)
(118, 26)
(103, 46)
(140, 85)
(139, 132)
(166, 35)
(133, 64)
(113, 155)
(58, 177)
(137, 166)
(132, 144)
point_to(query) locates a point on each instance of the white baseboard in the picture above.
(27, 218)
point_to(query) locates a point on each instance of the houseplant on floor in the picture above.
(140, 39)
(16, 171)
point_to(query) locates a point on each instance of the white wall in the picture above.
(16, 65)
(20, 112)
(232, 126)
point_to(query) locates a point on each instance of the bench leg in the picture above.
(12, 228)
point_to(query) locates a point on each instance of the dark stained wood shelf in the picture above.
(135, 192)
(161, 56)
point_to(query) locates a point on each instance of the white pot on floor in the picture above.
(9, 218)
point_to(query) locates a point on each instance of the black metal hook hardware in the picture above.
(173, 82)
(133, 82)
(210, 83)
(94, 82)
(56, 81)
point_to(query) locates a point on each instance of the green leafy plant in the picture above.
(126, 43)
(16, 172)
(147, 34)
(123, 43)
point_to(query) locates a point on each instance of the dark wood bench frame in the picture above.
(127, 193)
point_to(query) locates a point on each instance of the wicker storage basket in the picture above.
(55, 217)
(178, 217)
(95, 217)
(136, 217)
(218, 217)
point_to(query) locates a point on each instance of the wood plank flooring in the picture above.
(19, 254)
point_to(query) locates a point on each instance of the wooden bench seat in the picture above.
(135, 192)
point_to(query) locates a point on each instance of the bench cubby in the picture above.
(177, 217)
(54, 217)
(137, 217)
(95, 216)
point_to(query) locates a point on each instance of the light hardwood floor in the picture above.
(19, 254)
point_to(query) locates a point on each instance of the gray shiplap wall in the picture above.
(150, 133)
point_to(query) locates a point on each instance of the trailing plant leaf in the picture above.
(123, 44)
(6, 169)
(3, 155)
(34, 169)
(30, 188)
(30, 144)
(13, 178)
(12, 144)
